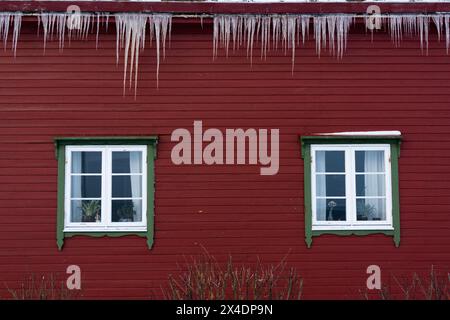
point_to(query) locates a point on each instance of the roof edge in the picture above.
(223, 8)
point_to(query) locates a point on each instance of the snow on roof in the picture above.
(363, 133)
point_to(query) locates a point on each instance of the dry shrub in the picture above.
(42, 287)
(206, 279)
(433, 286)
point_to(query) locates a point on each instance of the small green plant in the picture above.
(42, 287)
(207, 279)
(91, 211)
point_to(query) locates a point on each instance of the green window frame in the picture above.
(60, 152)
(394, 143)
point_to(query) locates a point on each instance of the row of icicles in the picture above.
(229, 31)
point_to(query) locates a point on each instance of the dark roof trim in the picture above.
(221, 8)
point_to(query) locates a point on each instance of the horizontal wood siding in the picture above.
(226, 209)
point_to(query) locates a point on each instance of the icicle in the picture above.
(317, 23)
(410, 25)
(4, 27)
(423, 22)
(413, 25)
(16, 31)
(276, 22)
(331, 30)
(236, 22)
(58, 23)
(45, 26)
(215, 36)
(447, 31)
(438, 19)
(106, 15)
(291, 30)
(331, 25)
(98, 30)
(250, 24)
(61, 28)
(395, 29)
(119, 27)
(226, 25)
(265, 29)
(162, 25)
(6, 19)
(130, 35)
(305, 27)
(226, 29)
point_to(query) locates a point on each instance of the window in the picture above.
(105, 187)
(351, 188)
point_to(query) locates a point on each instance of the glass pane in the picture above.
(126, 186)
(330, 185)
(86, 186)
(330, 161)
(127, 210)
(370, 209)
(127, 162)
(86, 162)
(85, 211)
(369, 161)
(370, 185)
(331, 210)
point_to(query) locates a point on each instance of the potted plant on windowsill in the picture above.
(90, 211)
(367, 213)
(126, 213)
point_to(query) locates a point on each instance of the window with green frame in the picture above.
(351, 185)
(105, 187)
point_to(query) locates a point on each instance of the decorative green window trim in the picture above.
(60, 147)
(393, 141)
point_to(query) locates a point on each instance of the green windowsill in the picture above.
(315, 233)
(100, 234)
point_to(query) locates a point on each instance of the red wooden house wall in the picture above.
(227, 209)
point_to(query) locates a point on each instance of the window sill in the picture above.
(103, 233)
(105, 229)
(354, 232)
(368, 227)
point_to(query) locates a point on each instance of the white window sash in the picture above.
(351, 222)
(106, 224)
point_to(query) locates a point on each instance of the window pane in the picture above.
(127, 210)
(86, 186)
(127, 162)
(330, 161)
(126, 186)
(370, 185)
(370, 209)
(85, 211)
(331, 210)
(86, 162)
(369, 161)
(330, 185)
